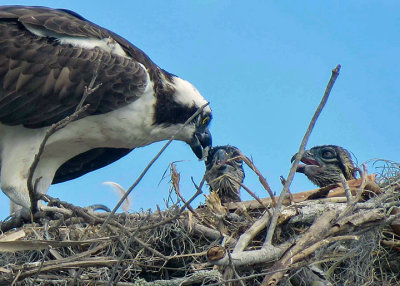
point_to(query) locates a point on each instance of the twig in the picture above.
(199, 187)
(173, 218)
(207, 232)
(89, 262)
(198, 192)
(16, 278)
(54, 128)
(346, 187)
(148, 167)
(90, 89)
(46, 252)
(251, 232)
(175, 177)
(261, 178)
(231, 268)
(306, 252)
(274, 219)
(152, 250)
(315, 233)
(251, 193)
(81, 212)
(351, 204)
(69, 210)
(364, 178)
(246, 277)
(113, 278)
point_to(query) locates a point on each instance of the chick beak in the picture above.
(307, 159)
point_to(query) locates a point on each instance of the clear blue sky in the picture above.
(264, 66)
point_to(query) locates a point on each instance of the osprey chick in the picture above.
(224, 172)
(47, 58)
(324, 164)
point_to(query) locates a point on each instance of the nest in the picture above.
(320, 236)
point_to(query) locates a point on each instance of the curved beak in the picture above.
(201, 140)
(294, 157)
(307, 159)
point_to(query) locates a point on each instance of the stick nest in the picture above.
(330, 240)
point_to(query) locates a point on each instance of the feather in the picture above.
(120, 191)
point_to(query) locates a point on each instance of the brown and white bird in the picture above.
(47, 58)
(224, 172)
(324, 164)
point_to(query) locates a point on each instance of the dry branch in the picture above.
(288, 181)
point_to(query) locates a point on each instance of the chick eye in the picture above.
(205, 120)
(328, 154)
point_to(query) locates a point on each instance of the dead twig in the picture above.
(274, 219)
(346, 187)
(90, 89)
(251, 193)
(261, 178)
(251, 232)
(175, 178)
(54, 128)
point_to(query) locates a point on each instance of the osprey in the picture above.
(224, 172)
(47, 58)
(324, 164)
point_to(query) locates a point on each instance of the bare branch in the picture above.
(274, 219)
(54, 128)
(90, 89)
(346, 187)
(261, 178)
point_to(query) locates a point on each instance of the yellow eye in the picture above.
(205, 121)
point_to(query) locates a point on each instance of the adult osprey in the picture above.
(324, 164)
(47, 57)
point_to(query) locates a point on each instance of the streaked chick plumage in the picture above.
(224, 172)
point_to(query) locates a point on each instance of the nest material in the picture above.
(332, 241)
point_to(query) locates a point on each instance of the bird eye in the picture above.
(328, 154)
(205, 120)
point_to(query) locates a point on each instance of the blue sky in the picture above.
(263, 66)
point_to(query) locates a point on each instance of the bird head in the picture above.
(324, 164)
(176, 102)
(224, 172)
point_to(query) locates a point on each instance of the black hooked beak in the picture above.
(307, 159)
(306, 155)
(294, 158)
(300, 167)
(201, 139)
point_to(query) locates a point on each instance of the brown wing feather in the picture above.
(59, 21)
(39, 73)
(64, 22)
